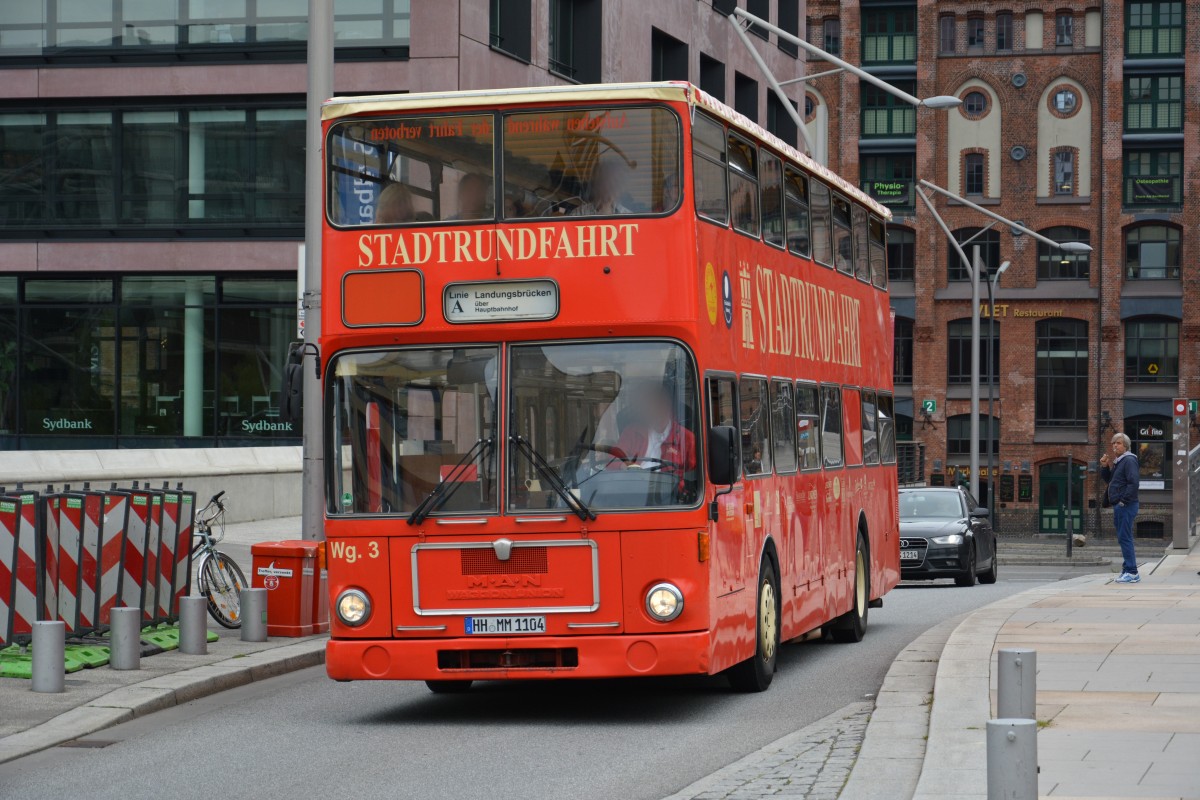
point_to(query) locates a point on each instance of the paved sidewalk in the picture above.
(101, 697)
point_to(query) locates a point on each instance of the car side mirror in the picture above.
(979, 512)
(722, 455)
(291, 404)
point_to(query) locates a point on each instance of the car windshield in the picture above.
(930, 505)
(407, 421)
(615, 421)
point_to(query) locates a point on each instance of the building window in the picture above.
(1154, 103)
(725, 7)
(975, 31)
(1060, 397)
(668, 57)
(889, 36)
(1064, 102)
(1054, 264)
(1152, 253)
(575, 40)
(974, 173)
(975, 104)
(780, 122)
(1151, 350)
(989, 252)
(789, 22)
(1064, 171)
(832, 30)
(1153, 29)
(1004, 30)
(1153, 177)
(1064, 29)
(947, 35)
(958, 352)
(712, 77)
(511, 25)
(745, 96)
(889, 179)
(883, 114)
(902, 352)
(128, 171)
(762, 10)
(958, 434)
(901, 252)
(1148, 440)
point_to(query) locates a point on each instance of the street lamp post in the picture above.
(991, 358)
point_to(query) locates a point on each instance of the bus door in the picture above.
(727, 532)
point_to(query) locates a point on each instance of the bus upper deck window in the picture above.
(821, 236)
(708, 169)
(411, 170)
(772, 199)
(842, 248)
(878, 254)
(591, 162)
(795, 188)
(743, 185)
(862, 267)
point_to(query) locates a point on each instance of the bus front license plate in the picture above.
(910, 555)
(483, 626)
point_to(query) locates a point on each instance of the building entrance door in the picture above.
(1052, 498)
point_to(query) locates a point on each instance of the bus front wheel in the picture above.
(852, 626)
(755, 673)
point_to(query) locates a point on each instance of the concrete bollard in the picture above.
(1016, 683)
(193, 630)
(125, 638)
(1012, 771)
(254, 615)
(49, 656)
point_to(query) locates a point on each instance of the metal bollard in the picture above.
(125, 639)
(1016, 683)
(1012, 771)
(49, 656)
(193, 630)
(254, 615)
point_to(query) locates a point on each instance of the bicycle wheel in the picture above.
(222, 582)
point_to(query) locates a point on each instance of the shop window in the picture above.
(1149, 440)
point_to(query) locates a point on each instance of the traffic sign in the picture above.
(928, 406)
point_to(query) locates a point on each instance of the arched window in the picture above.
(958, 355)
(958, 434)
(1149, 439)
(989, 252)
(1054, 264)
(1151, 350)
(1061, 373)
(1152, 252)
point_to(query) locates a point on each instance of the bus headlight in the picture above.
(353, 607)
(664, 602)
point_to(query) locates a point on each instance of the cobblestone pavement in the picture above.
(811, 764)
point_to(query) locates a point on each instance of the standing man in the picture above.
(1122, 475)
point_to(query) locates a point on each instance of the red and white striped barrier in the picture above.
(70, 547)
(153, 542)
(25, 597)
(111, 552)
(181, 584)
(89, 573)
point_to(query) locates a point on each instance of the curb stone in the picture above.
(164, 691)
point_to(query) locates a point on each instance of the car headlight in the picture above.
(664, 602)
(954, 538)
(353, 607)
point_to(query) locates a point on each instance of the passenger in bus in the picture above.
(472, 197)
(670, 194)
(395, 204)
(604, 191)
(655, 439)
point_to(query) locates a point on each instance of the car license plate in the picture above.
(910, 555)
(477, 626)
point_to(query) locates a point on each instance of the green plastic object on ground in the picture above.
(17, 662)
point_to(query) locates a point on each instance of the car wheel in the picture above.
(968, 577)
(988, 576)
(852, 626)
(755, 673)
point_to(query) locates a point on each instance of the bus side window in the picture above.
(887, 430)
(771, 173)
(783, 432)
(756, 426)
(862, 265)
(722, 404)
(796, 191)
(708, 169)
(821, 235)
(842, 250)
(878, 238)
(831, 425)
(808, 435)
(852, 427)
(870, 443)
(743, 185)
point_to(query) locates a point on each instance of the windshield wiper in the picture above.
(441, 493)
(551, 476)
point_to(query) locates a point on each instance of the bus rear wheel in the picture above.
(852, 626)
(448, 687)
(755, 673)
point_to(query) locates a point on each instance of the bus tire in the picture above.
(448, 687)
(755, 673)
(852, 626)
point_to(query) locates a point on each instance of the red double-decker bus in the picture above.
(607, 374)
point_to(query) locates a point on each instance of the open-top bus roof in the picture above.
(672, 91)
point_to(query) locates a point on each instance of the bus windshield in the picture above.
(616, 421)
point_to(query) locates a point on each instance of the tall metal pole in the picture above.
(991, 374)
(320, 88)
(976, 266)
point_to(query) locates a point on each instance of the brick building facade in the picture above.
(1081, 121)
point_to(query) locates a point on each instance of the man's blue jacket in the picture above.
(1122, 479)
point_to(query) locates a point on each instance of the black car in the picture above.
(944, 533)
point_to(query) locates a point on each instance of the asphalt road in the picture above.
(302, 735)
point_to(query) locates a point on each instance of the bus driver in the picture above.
(656, 440)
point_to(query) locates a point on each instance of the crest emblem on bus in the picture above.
(503, 548)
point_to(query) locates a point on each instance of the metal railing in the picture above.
(910, 463)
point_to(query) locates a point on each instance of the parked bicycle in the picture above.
(219, 577)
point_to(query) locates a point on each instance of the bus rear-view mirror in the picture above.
(722, 455)
(291, 404)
